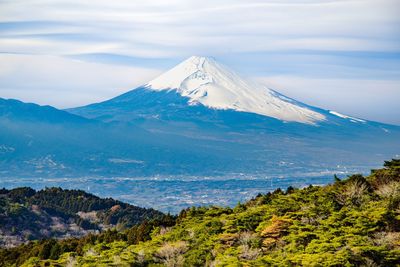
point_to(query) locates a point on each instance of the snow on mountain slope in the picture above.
(207, 82)
(352, 119)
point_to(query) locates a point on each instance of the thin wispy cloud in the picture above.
(346, 41)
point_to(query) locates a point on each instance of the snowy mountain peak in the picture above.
(174, 78)
(204, 81)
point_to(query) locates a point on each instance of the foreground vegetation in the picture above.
(354, 222)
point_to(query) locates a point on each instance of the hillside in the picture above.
(15, 110)
(26, 214)
(354, 222)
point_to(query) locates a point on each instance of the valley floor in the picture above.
(181, 192)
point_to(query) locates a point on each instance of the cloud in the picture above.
(110, 46)
(65, 82)
(215, 27)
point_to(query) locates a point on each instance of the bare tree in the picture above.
(171, 254)
(248, 244)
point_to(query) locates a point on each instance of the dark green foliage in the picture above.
(19, 194)
(29, 214)
(393, 164)
(141, 232)
(389, 174)
(72, 201)
(336, 178)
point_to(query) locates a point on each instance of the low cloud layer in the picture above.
(108, 47)
(64, 82)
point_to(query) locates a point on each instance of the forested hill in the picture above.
(352, 222)
(26, 214)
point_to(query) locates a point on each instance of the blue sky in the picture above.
(342, 55)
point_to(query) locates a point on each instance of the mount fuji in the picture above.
(203, 81)
(200, 89)
(206, 82)
(197, 119)
(252, 127)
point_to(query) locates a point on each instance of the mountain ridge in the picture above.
(14, 109)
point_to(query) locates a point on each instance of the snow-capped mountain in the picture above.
(207, 82)
(199, 118)
(200, 85)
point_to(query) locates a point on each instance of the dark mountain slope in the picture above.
(167, 113)
(38, 141)
(15, 110)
